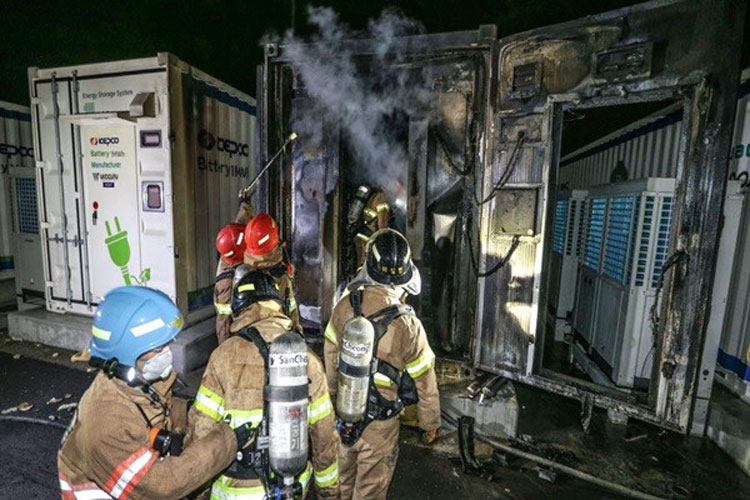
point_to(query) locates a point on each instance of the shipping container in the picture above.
(476, 133)
(20, 250)
(139, 164)
(650, 147)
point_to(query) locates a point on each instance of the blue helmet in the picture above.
(132, 320)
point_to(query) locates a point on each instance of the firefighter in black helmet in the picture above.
(405, 373)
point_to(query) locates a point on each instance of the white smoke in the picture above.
(361, 95)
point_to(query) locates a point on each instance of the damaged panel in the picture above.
(647, 52)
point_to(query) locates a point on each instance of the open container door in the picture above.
(686, 50)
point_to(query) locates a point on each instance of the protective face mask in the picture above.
(159, 367)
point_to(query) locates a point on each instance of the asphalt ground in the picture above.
(42, 380)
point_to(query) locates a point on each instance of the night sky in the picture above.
(222, 37)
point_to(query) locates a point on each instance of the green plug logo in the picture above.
(119, 249)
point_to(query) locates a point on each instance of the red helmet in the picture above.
(261, 235)
(230, 243)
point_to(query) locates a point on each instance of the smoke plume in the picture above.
(366, 97)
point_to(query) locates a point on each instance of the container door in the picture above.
(687, 51)
(113, 215)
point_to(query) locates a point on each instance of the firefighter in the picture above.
(230, 244)
(123, 442)
(368, 212)
(264, 251)
(405, 373)
(233, 388)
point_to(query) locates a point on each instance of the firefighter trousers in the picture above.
(366, 467)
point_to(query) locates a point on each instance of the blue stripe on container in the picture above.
(734, 365)
(217, 93)
(15, 115)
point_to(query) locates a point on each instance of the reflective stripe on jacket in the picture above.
(106, 451)
(404, 346)
(232, 387)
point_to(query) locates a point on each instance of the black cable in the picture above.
(449, 157)
(505, 176)
(652, 313)
(32, 420)
(504, 260)
(671, 261)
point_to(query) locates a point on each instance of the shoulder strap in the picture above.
(253, 335)
(355, 299)
(382, 319)
(226, 274)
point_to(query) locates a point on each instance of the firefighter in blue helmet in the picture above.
(123, 442)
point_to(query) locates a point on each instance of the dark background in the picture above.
(222, 37)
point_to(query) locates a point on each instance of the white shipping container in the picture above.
(20, 251)
(649, 148)
(139, 165)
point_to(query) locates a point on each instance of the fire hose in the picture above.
(255, 180)
(465, 434)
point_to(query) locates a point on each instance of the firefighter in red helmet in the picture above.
(264, 251)
(230, 243)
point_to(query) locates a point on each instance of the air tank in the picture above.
(287, 394)
(355, 358)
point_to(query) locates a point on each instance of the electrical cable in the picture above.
(673, 259)
(32, 420)
(603, 483)
(505, 176)
(504, 260)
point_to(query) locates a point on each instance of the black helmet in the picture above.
(251, 286)
(389, 258)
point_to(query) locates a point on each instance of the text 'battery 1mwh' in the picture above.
(139, 164)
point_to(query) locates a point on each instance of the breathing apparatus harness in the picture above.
(162, 441)
(378, 406)
(253, 462)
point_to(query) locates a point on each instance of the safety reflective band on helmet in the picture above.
(382, 380)
(99, 333)
(225, 309)
(85, 491)
(327, 477)
(209, 403)
(382, 207)
(129, 473)
(420, 365)
(149, 327)
(222, 491)
(319, 409)
(241, 417)
(330, 334)
(248, 287)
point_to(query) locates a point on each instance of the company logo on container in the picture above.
(207, 141)
(13, 150)
(104, 141)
